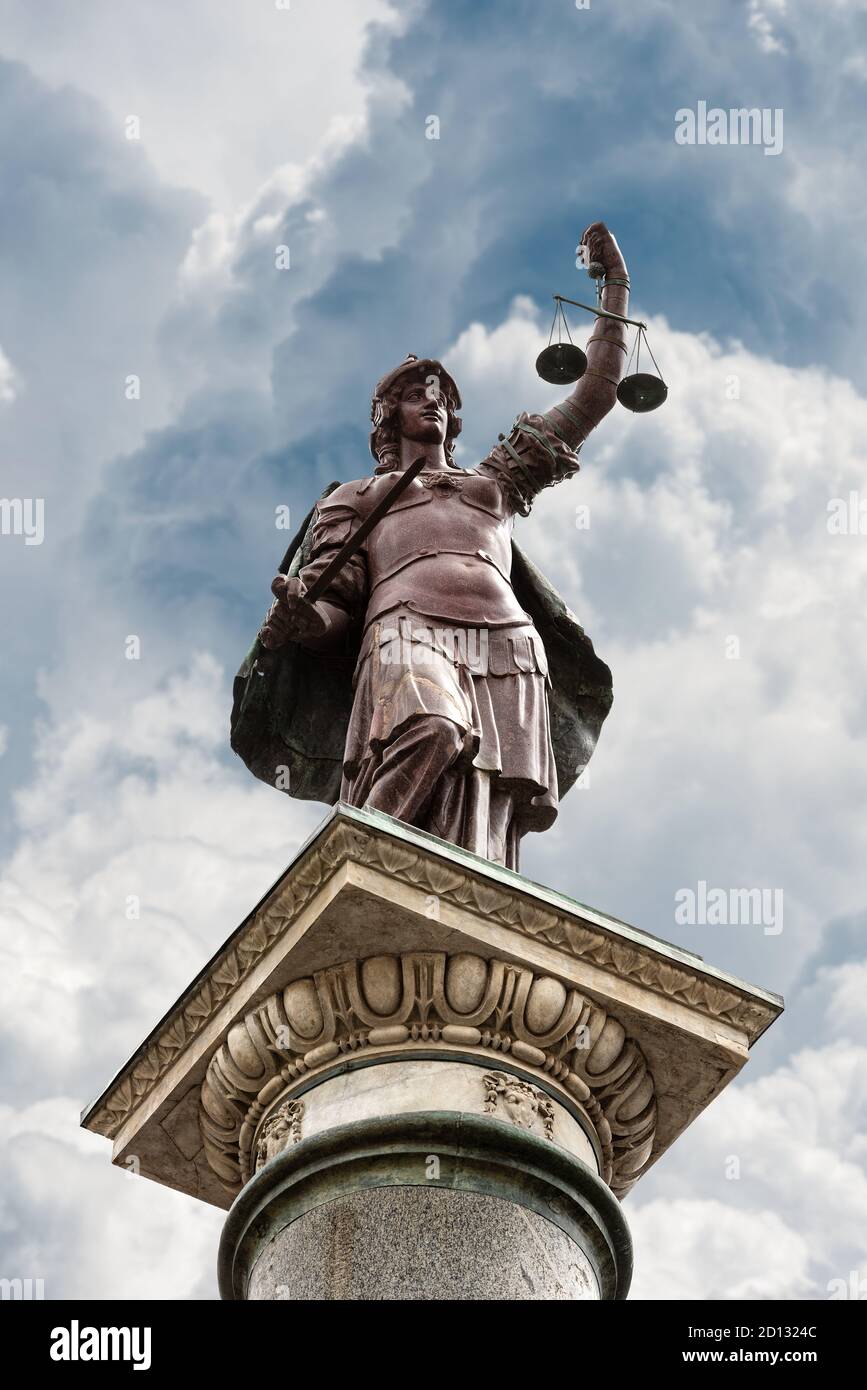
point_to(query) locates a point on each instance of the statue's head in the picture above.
(418, 401)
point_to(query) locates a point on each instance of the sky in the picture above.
(167, 390)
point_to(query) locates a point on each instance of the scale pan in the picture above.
(642, 392)
(561, 363)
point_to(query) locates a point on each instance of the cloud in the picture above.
(685, 1244)
(91, 242)
(9, 380)
(88, 1234)
(221, 96)
(766, 1195)
(140, 850)
(708, 521)
(763, 26)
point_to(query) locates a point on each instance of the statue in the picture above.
(439, 678)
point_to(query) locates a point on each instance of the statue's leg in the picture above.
(411, 767)
(513, 846)
(460, 809)
(500, 815)
(420, 777)
(471, 811)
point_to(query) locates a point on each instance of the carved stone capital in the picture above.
(428, 1001)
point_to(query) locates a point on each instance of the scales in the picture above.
(562, 362)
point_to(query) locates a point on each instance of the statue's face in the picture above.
(423, 414)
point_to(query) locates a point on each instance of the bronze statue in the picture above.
(438, 677)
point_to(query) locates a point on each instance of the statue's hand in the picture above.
(603, 248)
(291, 617)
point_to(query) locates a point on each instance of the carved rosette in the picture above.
(392, 1003)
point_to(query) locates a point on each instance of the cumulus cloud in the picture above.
(140, 850)
(708, 521)
(9, 380)
(734, 1255)
(223, 101)
(86, 1234)
(90, 241)
(765, 1196)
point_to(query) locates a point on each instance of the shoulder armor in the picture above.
(359, 496)
(343, 499)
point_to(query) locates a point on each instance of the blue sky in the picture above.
(156, 257)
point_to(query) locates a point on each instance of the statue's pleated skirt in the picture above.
(497, 779)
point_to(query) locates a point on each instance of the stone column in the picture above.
(447, 1179)
(410, 1074)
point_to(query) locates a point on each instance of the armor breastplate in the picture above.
(444, 550)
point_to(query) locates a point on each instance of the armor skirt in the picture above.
(491, 683)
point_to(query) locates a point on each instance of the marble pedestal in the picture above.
(410, 1074)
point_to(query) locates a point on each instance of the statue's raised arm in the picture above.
(543, 449)
(596, 391)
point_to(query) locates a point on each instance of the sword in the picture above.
(360, 534)
(350, 547)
